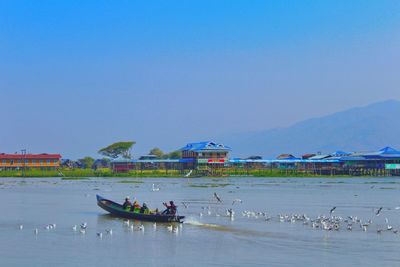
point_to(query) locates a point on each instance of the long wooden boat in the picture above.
(117, 210)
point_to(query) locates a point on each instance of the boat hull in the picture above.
(117, 210)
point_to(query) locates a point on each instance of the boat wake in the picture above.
(192, 221)
(223, 228)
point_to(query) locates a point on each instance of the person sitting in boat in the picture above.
(136, 207)
(144, 209)
(127, 204)
(171, 208)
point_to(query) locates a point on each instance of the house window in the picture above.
(34, 161)
(19, 161)
(26, 161)
(41, 162)
(4, 161)
(55, 161)
(48, 161)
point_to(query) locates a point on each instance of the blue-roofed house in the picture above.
(205, 154)
(384, 153)
(379, 160)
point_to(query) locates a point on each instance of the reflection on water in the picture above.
(274, 223)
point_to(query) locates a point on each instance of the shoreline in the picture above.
(196, 177)
(71, 174)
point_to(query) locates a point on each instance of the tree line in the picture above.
(124, 150)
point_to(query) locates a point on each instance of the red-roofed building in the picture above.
(18, 161)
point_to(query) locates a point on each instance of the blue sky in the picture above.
(78, 75)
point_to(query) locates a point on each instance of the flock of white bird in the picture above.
(324, 222)
(321, 222)
(131, 226)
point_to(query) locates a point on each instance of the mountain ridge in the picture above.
(357, 129)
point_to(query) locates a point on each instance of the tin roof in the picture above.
(340, 153)
(30, 156)
(318, 157)
(205, 146)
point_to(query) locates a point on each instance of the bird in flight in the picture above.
(332, 210)
(378, 211)
(217, 197)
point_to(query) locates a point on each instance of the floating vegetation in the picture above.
(266, 184)
(75, 178)
(383, 182)
(130, 182)
(208, 185)
(336, 182)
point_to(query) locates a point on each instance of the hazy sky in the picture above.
(78, 75)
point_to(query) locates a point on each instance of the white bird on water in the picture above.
(100, 235)
(36, 231)
(109, 231)
(74, 227)
(237, 201)
(388, 226)
(21, 227)
(82, 231)
(155, 226)
(83, 225)
(155, 189)
(169, 228)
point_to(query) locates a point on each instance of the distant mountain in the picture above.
(358, 129)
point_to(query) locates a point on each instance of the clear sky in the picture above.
(78, 75)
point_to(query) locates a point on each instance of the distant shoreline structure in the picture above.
(212, 159)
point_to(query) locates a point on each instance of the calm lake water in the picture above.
(212, 239)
